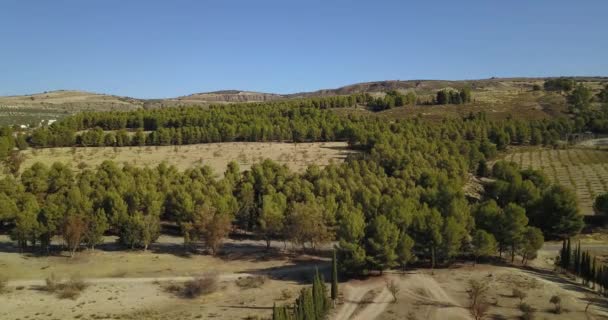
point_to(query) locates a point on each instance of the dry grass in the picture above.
(3, 284)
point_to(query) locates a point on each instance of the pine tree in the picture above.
(577, 260)
(334, 278)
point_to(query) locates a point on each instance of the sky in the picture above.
(159, 49)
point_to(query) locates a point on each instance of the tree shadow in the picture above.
(246, 307)
(299, 272)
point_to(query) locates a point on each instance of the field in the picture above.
(216, 155)
(133, 285)
(583, 170)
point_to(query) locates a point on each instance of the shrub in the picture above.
(524, 307)
(519, 294)
(251, 282)
(557, 301)
(70, 289)
(528, 311)
(52, 283)
(200, 286)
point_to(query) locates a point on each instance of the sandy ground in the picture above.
(216, 155)
(442, 295)
(129, 285)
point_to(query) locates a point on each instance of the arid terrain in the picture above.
(132, 285)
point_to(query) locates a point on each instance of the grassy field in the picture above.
(583, 170)
(216, 155)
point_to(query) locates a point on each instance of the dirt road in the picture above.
(416, 287)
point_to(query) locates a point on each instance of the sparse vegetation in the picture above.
(478, 305)
(557, 303)
(393, 288)
(519, 294)
(69, 289)
(202, 285)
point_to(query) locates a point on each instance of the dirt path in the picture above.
(353, 296)
(420, 288)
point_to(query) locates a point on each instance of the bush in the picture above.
(70, 289)
(251, 282)
(557, 301)
(519, 294)
(200, 286)
(528, 311)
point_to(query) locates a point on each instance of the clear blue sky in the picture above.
(168, 48)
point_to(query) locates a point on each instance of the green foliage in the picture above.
(559, 84)
(532, 241)
(453, 97)
(484, 244)
(334, 277)
(514, 225)
(400, 199)
(312, 304)
(603, 95)
(558, 214)
(551, 208)
(580, 99)
(382, 240)
(600, 205)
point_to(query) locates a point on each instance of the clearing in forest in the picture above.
(216, 155)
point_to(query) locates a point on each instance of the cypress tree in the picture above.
(593, 274)
(334, 278)
(583, 268)
(309, 305)
(317, 295)
(562, 255)
(276, 313)
(568, 256)
(577, 260)
(299, 307)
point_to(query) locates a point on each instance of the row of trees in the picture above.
(391, 99)
(312, 304)
(582, 264)
(448, 96)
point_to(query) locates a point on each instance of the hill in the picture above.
(498, 96)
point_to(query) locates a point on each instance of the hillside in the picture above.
(497, 96)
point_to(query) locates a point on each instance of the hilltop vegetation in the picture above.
(398, 200)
